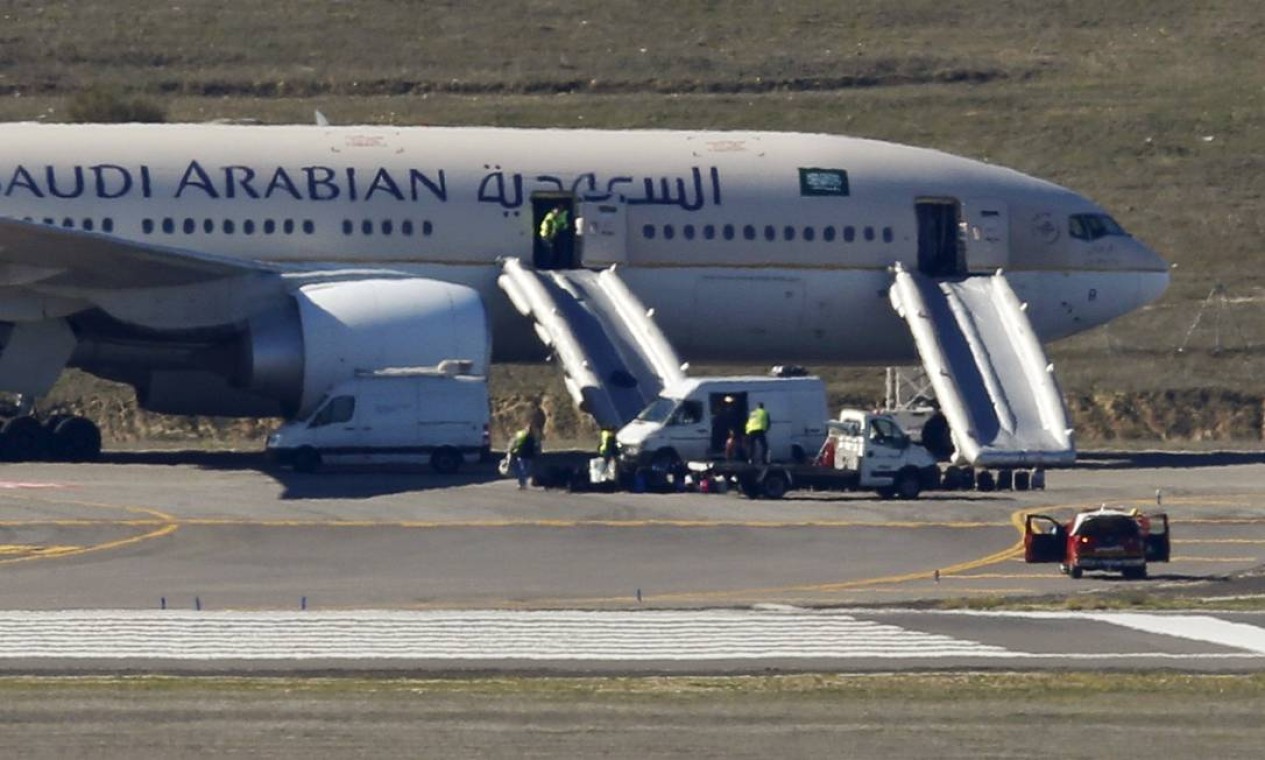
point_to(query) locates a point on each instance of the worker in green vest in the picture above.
(757, 428)
(552, 226)
(522, 452)
(607, 447)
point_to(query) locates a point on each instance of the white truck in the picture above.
(415, 415)
(863, 451)
(692, 420)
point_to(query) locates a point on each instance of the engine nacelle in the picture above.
(332, 330)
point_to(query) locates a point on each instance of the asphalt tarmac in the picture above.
(225, 532)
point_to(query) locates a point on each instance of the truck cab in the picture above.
(1104, 539)
(880, 452)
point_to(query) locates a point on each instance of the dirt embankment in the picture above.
(1171, 416)
(1104, 417)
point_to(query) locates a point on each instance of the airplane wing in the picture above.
(49, 272)
(63, 261)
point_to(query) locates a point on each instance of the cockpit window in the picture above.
(1093, 226)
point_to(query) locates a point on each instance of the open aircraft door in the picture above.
(985, 235)
(603, 229)
(1158, 545)
(1044, 539)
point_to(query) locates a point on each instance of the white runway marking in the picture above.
(492, 635)
(1206, 628)
(559, 636)
(9, 485)
(1197, 627)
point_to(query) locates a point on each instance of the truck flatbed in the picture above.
(773, 481)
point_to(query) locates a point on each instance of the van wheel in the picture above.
(665, 460)
(445, 461)
(773, 485)
(907, 486)
(307, 459)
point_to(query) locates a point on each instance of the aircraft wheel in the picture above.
(985, 482)
(1005, 480)
(1023, 480)
(1038, 479)
(23, 439)
(446, 460)
(1075, 572)
(76, 439)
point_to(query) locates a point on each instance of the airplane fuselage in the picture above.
(749, 246)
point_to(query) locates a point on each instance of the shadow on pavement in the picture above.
(351, 482)
(1128, 460)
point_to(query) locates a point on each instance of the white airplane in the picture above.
(241, 270)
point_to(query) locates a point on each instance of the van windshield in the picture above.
(339, 409)
(658, 411)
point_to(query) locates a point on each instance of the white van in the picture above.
(393, 416)
(691, 420)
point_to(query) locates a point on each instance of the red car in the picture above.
(1114, 540)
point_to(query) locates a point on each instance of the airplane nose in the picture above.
(1151, 285)
(1153, 273)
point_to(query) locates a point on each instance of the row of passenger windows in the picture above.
(190, 226)
(769, 232)
(88, 224)
(385, 227)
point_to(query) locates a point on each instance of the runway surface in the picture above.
(208, 535)
(652, 641)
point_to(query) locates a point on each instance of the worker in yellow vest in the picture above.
(551, 227)
(608, 447)
(757, 428)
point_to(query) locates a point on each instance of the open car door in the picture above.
(1157, 541)
(1044, 539)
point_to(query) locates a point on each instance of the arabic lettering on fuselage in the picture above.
(107, 181)
(509, 190)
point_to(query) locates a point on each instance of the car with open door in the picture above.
(1104, 539)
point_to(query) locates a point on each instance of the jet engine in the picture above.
(332, 330)
(286, 358)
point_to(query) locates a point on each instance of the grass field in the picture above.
(1154, 109)
(967, 715)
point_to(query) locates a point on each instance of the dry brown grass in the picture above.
(1152, 108)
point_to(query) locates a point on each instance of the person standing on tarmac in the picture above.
(607, 447)
(757, 442)
(522, 453)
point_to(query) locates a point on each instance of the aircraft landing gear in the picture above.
(60, 438)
